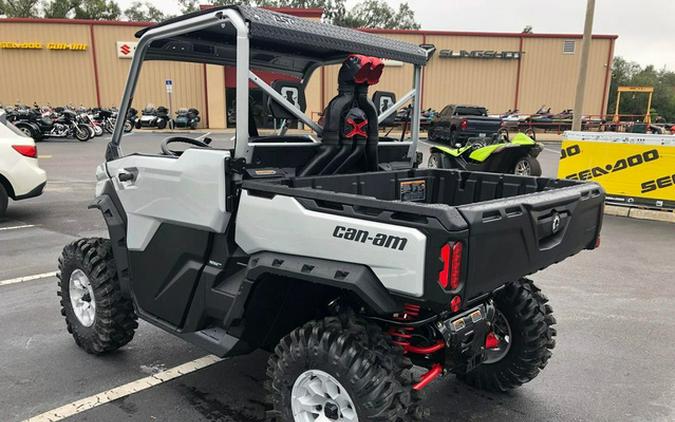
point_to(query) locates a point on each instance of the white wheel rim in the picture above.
(318, 397)
(82, 298)
(522, 168)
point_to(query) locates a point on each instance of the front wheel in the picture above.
(128, 126)
(98, 316)
(82, 133)
(527, 166)
(161, 124)
(339, 370)
(522, 339)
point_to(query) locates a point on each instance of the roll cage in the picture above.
(247, 37)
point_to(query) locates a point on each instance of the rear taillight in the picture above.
(464, 124)
(29, 151)
(451, 257)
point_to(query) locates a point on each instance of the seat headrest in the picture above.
(361, 70)
(291, 91)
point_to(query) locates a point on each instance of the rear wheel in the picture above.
(161, 124)
(340, 369)
(527, 166)
(435, 160)
(98, 316)
(531, 133)
(4, 200)
(128, 126)
(524, 337)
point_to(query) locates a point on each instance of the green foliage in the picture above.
(58, 9)
(144, 11)
(96, 9)
(367, 14)
(378, 14)
(626, 73)
(19, 8)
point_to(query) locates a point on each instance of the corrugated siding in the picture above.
(487, 82)
(46, 76)
(549, 77)
(188, 78)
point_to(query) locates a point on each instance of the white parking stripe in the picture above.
(204, 135)
(25, 226)
(27, 278)
(125, 390)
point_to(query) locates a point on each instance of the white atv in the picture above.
(334, 252)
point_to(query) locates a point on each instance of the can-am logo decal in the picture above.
(620, 164)
(378, 239)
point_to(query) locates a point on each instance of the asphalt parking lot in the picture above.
(614, 359)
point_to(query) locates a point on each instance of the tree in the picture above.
(188, 6)
(96, 9)
(59, 9)
(143, 11)
(367, 14)
(627, 73)
(19, 8)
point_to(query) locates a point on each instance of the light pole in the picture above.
(583, 66)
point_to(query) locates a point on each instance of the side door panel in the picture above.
(172, 206)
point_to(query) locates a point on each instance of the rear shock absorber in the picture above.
(402, 336)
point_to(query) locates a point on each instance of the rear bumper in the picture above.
(37, 191)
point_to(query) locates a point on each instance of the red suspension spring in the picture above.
(402, 335)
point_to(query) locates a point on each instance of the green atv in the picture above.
(518, 156)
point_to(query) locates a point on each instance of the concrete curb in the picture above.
(640, 213)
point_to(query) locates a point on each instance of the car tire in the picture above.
(351, 353)
(530, 323)
(527, 166)
(87, 278)
(4, 201)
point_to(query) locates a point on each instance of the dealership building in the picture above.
(82, 62)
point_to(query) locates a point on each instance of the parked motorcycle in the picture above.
(57, 123)
(186, 118)
(153, 117)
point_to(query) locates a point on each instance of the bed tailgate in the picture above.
(513, 237)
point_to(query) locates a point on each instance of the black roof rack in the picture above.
(278, 42)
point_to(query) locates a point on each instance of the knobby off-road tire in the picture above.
(373, 371)
(531, 322)
(114, 320)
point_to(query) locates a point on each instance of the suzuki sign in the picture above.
(125, 49)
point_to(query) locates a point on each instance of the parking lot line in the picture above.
(27, 278)
(125, 390)
(23, 226)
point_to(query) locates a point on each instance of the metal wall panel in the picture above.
(549, 77)
(188, 78)
(45, 76)
(486, 82)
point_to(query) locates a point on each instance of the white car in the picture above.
(20, 175)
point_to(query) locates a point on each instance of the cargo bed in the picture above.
(511, 225)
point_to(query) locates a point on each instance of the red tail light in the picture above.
(29, 151)
(464, 124)
(456, 269)
(451, 256)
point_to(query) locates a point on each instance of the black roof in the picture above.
(279, 42)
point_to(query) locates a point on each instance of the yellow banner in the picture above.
(629, 171)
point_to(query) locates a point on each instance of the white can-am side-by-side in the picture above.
(334, 252)
(20, 175)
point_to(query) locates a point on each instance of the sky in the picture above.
(646, 28)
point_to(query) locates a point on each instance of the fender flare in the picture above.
(356, 278)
